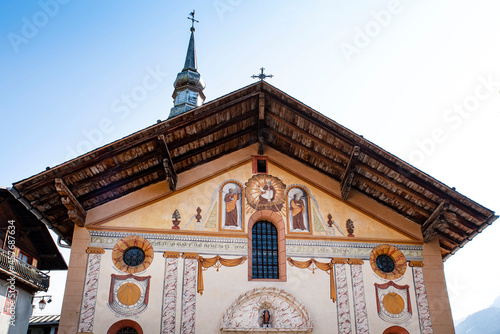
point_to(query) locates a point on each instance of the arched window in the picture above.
(265, 260)
(126, 326)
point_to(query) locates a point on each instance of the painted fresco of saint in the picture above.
(231, 199)
(299, 211)
(231, 206)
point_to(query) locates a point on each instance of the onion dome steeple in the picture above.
(188, 92)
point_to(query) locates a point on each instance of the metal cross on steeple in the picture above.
(192, 20)
(262, 76)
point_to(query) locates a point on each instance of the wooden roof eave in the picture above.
(230, 123)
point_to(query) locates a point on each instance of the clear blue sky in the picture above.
(418, 78)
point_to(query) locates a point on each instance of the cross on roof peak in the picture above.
(262, 76)
(192, 20)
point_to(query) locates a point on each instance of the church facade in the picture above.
(251, 213)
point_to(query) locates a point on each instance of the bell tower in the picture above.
(188, 86)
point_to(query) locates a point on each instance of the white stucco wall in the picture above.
(224, 287)
(23, 310)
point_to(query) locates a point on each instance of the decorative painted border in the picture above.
(424, 315)
(360, 250)
(239, 246)
(189, 294)
(395, 254)
(343, 310)
(360, 311)
(169, 293)
(132, 241)
(87, 311)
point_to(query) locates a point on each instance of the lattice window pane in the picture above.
(265, 262)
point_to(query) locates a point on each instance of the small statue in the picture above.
(266, 318)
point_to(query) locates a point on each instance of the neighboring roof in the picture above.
(258, 113)
(49, 256)
(44, 320)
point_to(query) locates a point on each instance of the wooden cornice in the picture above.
(75, 210)
(171, 175)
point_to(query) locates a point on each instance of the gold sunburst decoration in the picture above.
(265, 192)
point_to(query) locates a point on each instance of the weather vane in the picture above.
(192, 20)
(262, 76)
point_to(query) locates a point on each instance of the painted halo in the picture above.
(384, 251)
(131, 242)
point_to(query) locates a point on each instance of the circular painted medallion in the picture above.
(388, 262)
(133, 254)
(265, 192)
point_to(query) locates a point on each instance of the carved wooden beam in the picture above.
(261, 123)
(168, 165)
(75, 210)
(436, 214)
(348, 176)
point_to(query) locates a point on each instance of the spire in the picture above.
(188, 86)
(191, 55)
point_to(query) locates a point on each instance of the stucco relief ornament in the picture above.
(265, 192)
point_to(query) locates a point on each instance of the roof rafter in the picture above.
(170, 174)
(348, 176)
(75, 210)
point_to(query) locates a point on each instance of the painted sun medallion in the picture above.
(393, 303)
(265, 192)
(128, 294)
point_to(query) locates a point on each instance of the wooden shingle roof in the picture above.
(258, 113)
